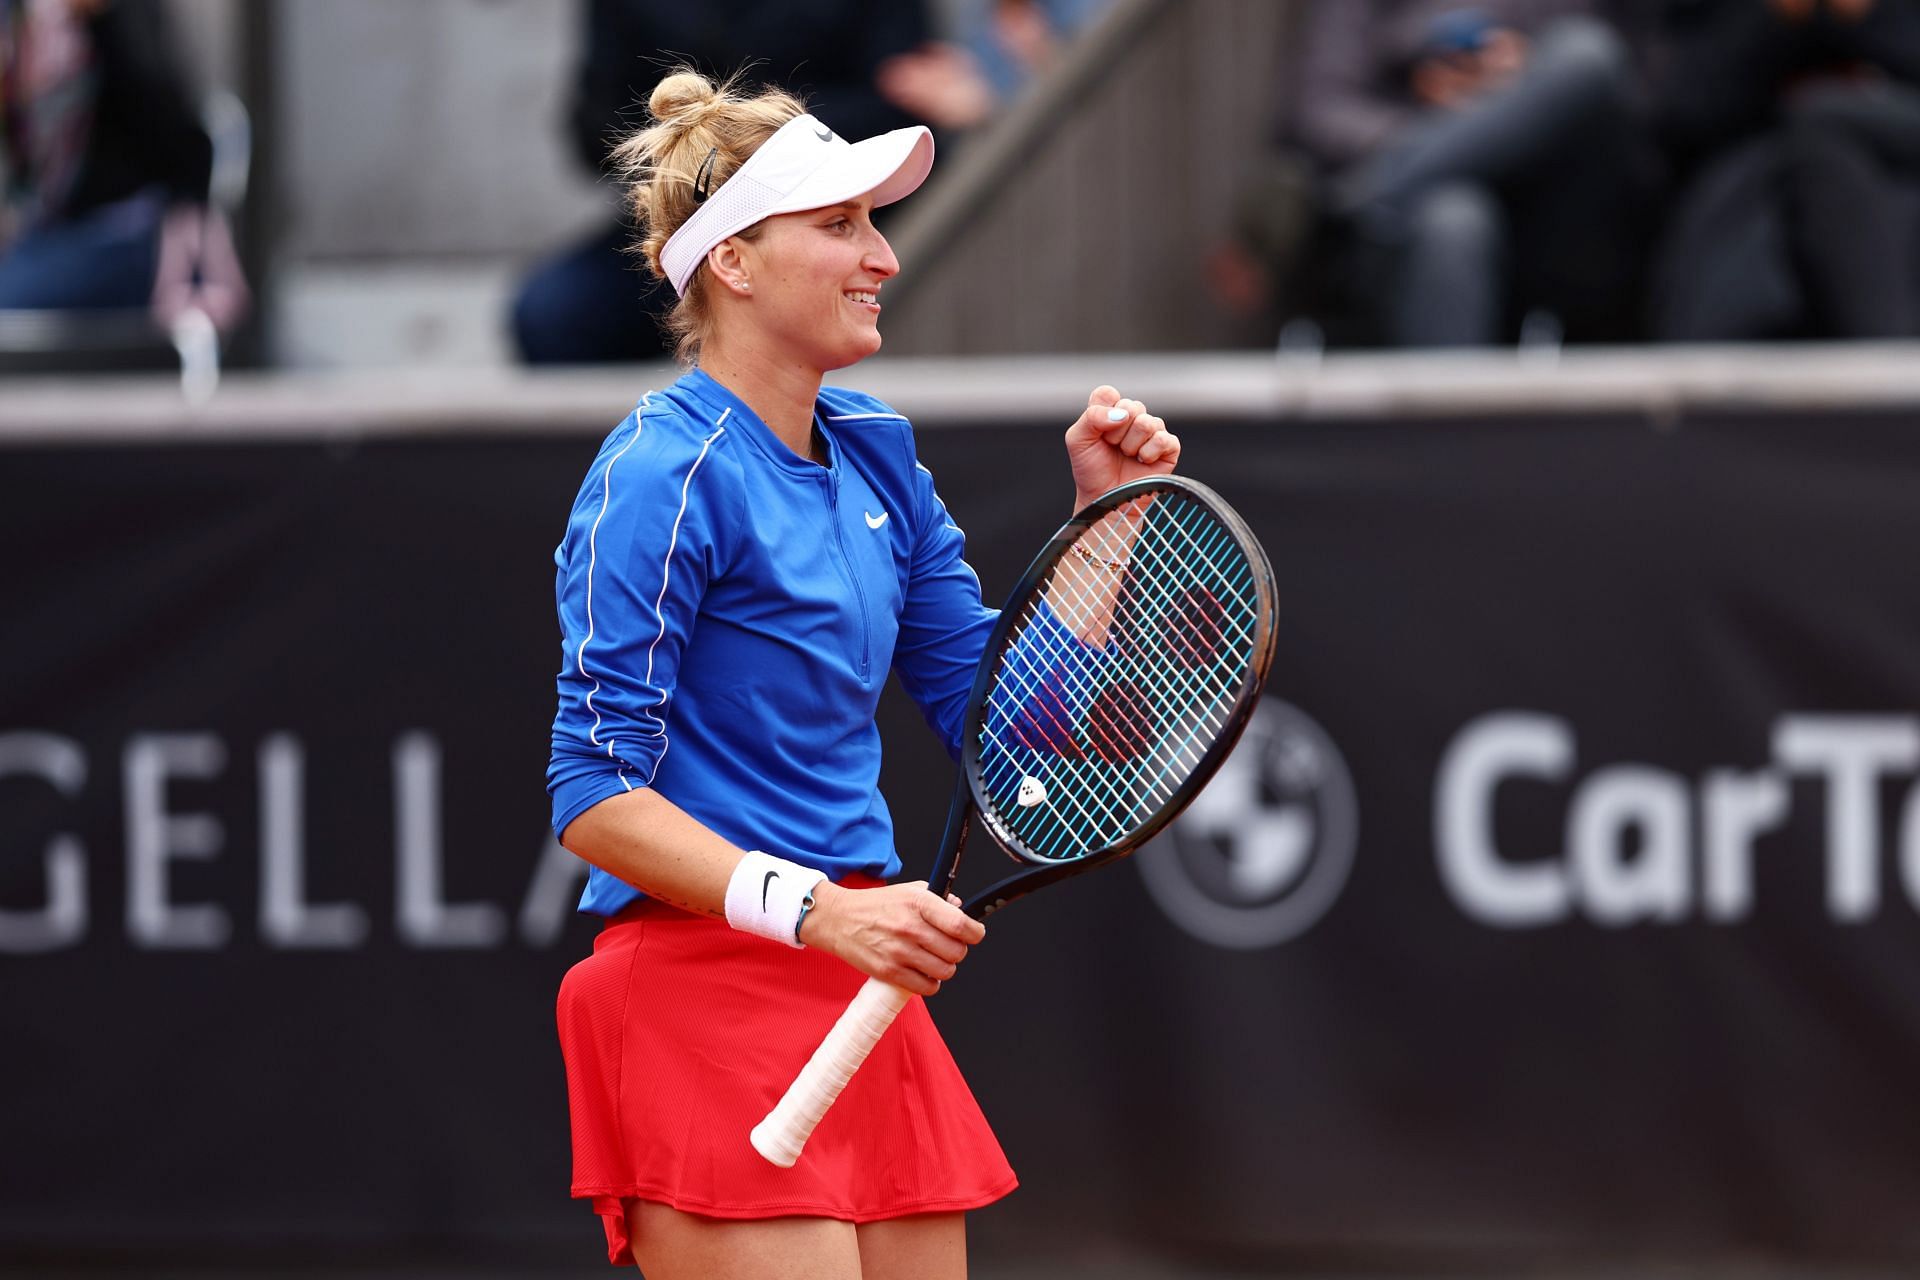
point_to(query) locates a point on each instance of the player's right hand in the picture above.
(899, 933)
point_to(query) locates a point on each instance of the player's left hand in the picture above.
(1115, 441)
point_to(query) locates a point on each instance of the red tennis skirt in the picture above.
(679, 1035)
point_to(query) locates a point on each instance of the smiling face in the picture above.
(815, 284)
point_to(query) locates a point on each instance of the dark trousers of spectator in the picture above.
(105, 258)
(1811, 230)
(1853, 200)
(593, 303)
(1527, 197)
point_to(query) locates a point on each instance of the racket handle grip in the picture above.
(781, 1136)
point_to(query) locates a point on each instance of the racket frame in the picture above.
(970, 791)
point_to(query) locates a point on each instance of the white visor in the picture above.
(804, 165)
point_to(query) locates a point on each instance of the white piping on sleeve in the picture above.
(921, 466)
(593, 560)
(666, 576)
(947, 518)
(865, 417)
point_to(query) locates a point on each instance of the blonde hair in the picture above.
(693, 119)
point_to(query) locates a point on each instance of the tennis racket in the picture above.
(1123, 667)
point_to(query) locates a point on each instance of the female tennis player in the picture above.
(750, 555)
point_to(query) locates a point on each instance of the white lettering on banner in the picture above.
(553, 896)
(287, 919)
(63, 921)
(425, 919)
(1628, 856)
(1618, 887)
(1490, 887)
(1737, 809)
(1853, 752)
(156, 838)
(1258, 858)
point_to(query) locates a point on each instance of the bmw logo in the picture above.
(1264, 850)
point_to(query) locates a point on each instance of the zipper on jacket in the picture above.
(859, 592)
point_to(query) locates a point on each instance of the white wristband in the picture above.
(767, 896)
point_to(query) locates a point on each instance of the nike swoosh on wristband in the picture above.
(873, 521)
(765, 885)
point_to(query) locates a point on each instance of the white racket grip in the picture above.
(784, 1133)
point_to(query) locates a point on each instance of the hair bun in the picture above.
(680, 97)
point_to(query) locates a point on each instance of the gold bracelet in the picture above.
(1079, 549)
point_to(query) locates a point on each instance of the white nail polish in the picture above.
(1116, 414)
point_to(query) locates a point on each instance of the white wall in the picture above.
(429, 128)
(421, 166)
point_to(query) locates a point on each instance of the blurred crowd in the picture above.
(1441, 174)
(863, 66)
(1548, 170)
(106, 167)
(112, 210)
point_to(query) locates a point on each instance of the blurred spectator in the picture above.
(106, 167)
(996, 47)
(592, 303)
(1480, 163)
(1796, 125)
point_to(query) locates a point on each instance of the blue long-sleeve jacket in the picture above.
(729, 613)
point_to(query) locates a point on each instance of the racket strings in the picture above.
(1145, 614)
(1185, 698)
(1122, 794)
(1054, 732)
(1207, 553)
(1213, 677)
(1115, 714)
(1117, 727)
(1052, 747)
(1125, 640)
(1214, 616)
(1117, 739)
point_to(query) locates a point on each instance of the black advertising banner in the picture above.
(1560, 902)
